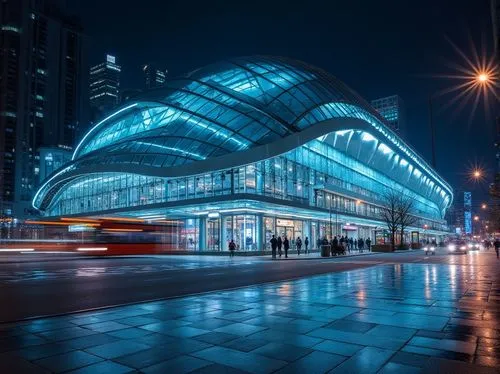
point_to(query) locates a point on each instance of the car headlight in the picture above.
(451, 247)
(476, 245)
(433, 248)
(425, 248)
(463, 247)
(469, 245)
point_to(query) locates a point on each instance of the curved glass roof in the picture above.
(233, 106)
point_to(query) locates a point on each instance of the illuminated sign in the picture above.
(110, 59)
(284, 222)
(349, 228)
(80, 228)
(213, 215)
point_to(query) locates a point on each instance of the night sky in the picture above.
(378, 48)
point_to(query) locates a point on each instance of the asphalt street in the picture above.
(38, 285)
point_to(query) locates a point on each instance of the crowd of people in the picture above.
(340, 245)
(344, 244)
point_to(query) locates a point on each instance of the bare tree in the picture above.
(405, 211)
(390, 213)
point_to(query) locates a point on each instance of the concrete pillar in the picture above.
(202, 237)
(259, 232)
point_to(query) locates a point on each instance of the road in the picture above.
(38, 285)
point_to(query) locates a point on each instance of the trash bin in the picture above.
(325, 251)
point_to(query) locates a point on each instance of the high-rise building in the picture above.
(53, 158)
(153, 77)
(42, 93)
(105, 85)
(393, 110)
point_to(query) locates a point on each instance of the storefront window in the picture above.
(243, 230)
(269, 230)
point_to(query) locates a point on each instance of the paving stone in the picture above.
(105, 326)
(240, 329)
(245, 344)
(367, 360)
(105, 367)
(250, 362)
(129, 333)
(67, 361)
(46, 350)
(394, 368)
(10, 362)
(117, 349)
(356, 338)
(216, 338)
(282, 352)
(90, 341)
(314, 362)
(181, 364)
(444, 344)
(344, 349)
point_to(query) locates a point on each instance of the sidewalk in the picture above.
(292, 255)
(384, 319)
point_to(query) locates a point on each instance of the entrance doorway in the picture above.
(213, 236)
(287, 231)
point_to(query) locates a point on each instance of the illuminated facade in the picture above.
(245, 149)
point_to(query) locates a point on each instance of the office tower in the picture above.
(104, 86)
(153, 77)
(42, 94)
(393, 110)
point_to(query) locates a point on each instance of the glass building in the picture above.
(246, 149)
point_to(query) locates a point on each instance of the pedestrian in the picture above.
(497, 246)
(298, 244)
(286, 246)
(280, 243)
(351, 244)
(232, 248)
(361, 244)
(319, 243)
(306, 243)
(368, 244)
(356, 244)
(274, 245)
(335, 245)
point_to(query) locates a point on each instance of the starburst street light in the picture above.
(476, 77)
(483, 78)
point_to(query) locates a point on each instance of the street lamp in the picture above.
(476, 218)
(484, 206)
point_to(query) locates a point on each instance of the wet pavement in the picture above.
(428, 315)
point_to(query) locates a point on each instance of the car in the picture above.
(458, 247)
(430, 248)
(474, 246)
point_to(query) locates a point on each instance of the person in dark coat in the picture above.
(286, 246)
(298, 244)
(361, 244)
(274, 245)
(280, 243)
(368, 244)
(335, 245)
(306, 243)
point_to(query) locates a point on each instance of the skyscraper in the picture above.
(153, 77)
(105, 85)
(393, 110)
(42, 100)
